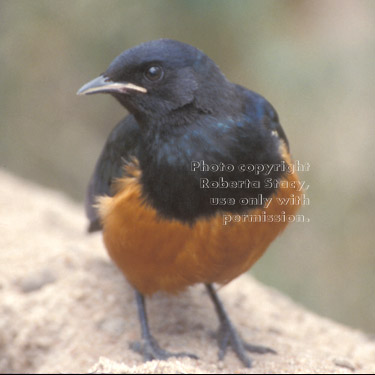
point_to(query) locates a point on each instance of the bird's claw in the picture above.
(150, 350)
(259, 349)
(228, 336)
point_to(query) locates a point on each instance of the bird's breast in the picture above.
(155, 253)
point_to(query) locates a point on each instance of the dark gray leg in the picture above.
(228, 335)
(149, 347)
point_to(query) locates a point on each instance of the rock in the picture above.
(66, 308)
(35, 281)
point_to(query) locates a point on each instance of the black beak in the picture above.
(103, 84)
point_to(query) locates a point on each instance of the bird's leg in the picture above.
(228, 335)
(149, 347)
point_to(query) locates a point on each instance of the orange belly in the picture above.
(158, 254)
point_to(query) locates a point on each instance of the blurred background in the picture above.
(315, 62)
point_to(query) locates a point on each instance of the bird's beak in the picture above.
(104, 85)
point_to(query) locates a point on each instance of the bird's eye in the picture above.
(154, 73)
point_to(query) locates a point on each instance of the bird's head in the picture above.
(160, 76)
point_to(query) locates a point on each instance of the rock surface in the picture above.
(65, 308)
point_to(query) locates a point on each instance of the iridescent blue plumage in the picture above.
(194, 113)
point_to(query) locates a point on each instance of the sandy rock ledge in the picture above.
(66, 309)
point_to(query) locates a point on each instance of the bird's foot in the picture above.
(150, 350)
(228, 336)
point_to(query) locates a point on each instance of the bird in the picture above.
(189, 138)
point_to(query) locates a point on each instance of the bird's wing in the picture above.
(271, 121)
(120, 147)
(265, 112)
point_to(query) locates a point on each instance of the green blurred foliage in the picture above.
(314, 60)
